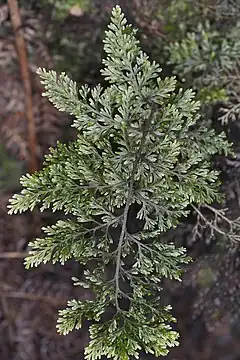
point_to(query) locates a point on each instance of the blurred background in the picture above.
(199, 42)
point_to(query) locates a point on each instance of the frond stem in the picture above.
(145, 130)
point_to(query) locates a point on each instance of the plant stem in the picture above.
(119, 248)
(145, 129)
(23, 61)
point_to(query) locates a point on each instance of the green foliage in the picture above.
(207, 59)
(63, 7)
(140, 160)
(205, 51)
(10, 171)
(178, 16)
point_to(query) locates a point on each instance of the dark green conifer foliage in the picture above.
(138, 163)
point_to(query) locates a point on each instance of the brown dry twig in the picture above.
(33, 297)
(23, 60)
(13, 255)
